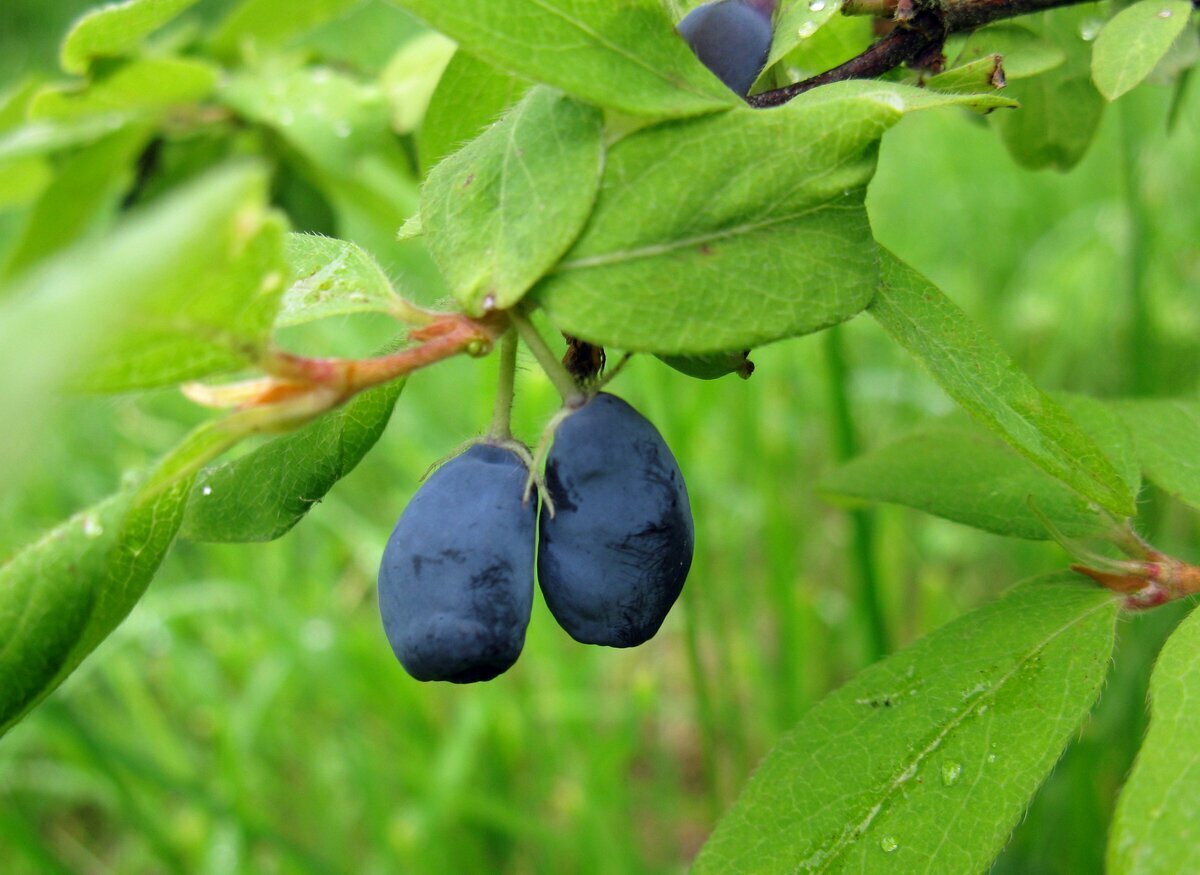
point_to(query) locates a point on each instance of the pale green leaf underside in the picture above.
(981, 377)
(733, 230)
(1134, 41)
(956, 469)
(115, 30)
(981, 74)
(1167, 435)
(262, 495)
(470, 96)
(63, 595)
(332, 278)
(1155, 830)
(926, 761)
(499, 213)
(626, 56)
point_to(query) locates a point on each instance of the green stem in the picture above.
(705, 715)
(563, 381)
(501, 429)
(845, 445)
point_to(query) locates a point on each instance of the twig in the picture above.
(915, 37)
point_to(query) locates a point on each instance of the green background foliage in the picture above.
(249, 716)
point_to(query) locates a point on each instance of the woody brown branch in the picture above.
(917, 36)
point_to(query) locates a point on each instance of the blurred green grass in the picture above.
(250, 717)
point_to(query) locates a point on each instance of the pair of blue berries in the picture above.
(456, 582)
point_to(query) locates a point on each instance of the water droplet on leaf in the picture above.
(888, 844)
(92, 527)
(207, 490)
(807, 29)
(817, 5)
(1090, 29)
(1166, 13)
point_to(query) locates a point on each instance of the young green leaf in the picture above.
(116, 29)
(1134, 41)
(729, 231)
(44, 137)
(332, 278)
(926, 761)
(977, 374)
(143, 86)
(983, 74)
(1025, 53)
(629, 58)
(1154, 829)
(96, 294)
(1166, 432)
(262, 495)
(499, 213)
(63, 595)
(955, 469)
(470, 96)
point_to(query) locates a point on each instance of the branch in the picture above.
(918, 34)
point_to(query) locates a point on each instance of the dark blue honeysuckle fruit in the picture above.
(613, 558)
(456, 581)
(732, 38)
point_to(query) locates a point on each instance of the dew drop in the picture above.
(807, 29)
(1090, 29)
(991, 758)
(951, 772)
(888, 844)
(817, 5)
(92, 527)
(207, 490)
(489, 303)
(1166, 13)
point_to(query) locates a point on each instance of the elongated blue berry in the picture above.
(732, 38)
(614, 557)
(456, 582)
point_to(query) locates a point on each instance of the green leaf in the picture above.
(412, 75)
(332, 278)
(94, 292)
(1025, 53)
(977, 374)
(1167, 435)
(629, 58)
(83, 195)
(115, 30)
(925, 762)
(729, 231)
(499, 213)
(1060, 109)
(955, 469)
(274, 22)
(142, 86)
(712, 366)
(470, 96)
(1154, 829)
(262, 495)
(1134, 41)
(63, 595)
(38, 138)
(797, 22)
(214, 320)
